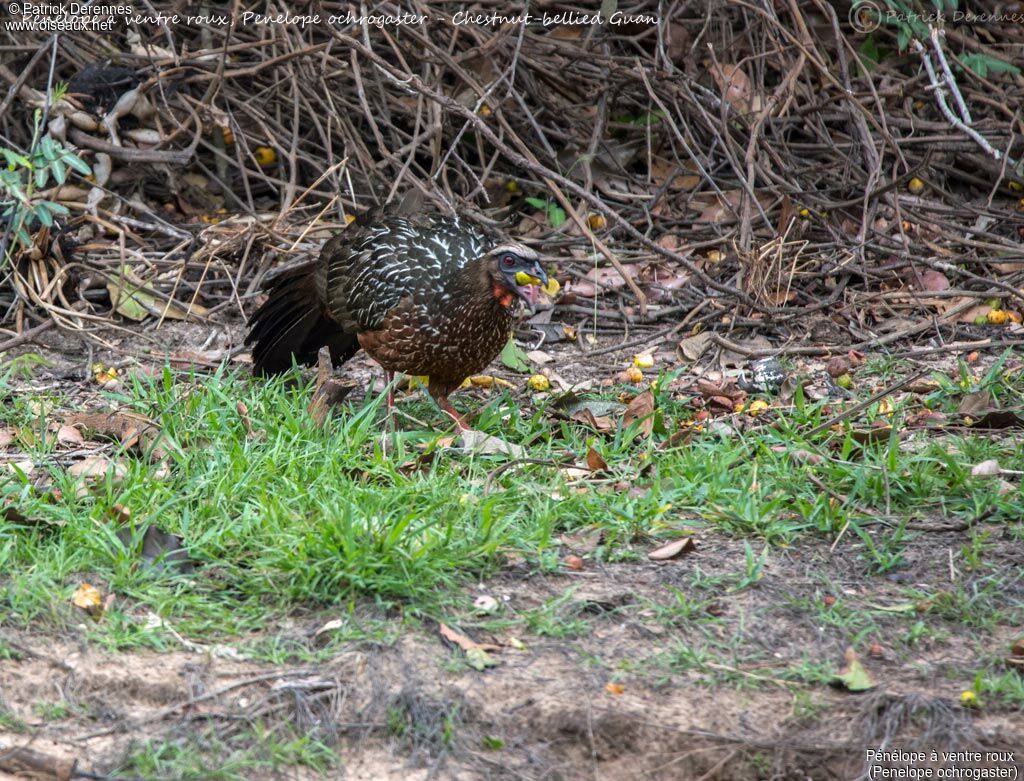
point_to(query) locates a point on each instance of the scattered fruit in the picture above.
(573, 562)
(596, 222)
(997, 317)
(915, 186)
(757, 407)
(845, 381)
(643, 361)
(615, 688)
(538, 382)
(265, 156)
(969, 699)
(634, 375)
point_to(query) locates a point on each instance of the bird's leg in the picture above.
(389, 426)
(448, 409)
(389, 379)
(440, 394)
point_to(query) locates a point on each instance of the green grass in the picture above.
(297, 517)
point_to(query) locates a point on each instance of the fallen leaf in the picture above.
(95, 468)
(130, 429)
(999, 419)
(485, 603)
(988, 468)
(479, 443)
(477, 655)
(88, 598)
(595, 461)
(640, 409)
(132, 299)
(513, 357)
(69, 436)
(160, 550)
(974, 404)
(673, 549)
(693, 347)
(7, 435)
(853, 677)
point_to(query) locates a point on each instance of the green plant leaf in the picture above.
(60, 173)
(14, 159)
(514, 358)
(41, 175)
(537, 203)
(42, 213)
(77, 163)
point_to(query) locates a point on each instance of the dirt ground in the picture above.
(408, 708)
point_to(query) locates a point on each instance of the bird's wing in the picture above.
(368, 272)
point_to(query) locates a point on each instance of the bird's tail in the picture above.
(291, 324)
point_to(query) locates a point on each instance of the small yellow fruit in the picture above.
(264, 156)
(805, 213)
(715, 256)
(844, 381)
(512, 186)
(615, 688)
(229, 137)
(552, 287)
(634, 375)
(997, 317)
(885, 406)
(757, 407)
(596, 222)
(485, 110)
(349, 219)
(1016, 186)
(915, 186)
(538, 382)
(643, 361)
(969, 699)
(103, 374)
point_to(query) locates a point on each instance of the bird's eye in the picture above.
(508, 261)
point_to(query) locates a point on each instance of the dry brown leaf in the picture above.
(7, 435)
(641, 408)
(693, 347)
(464, 642)
(131, 429)
(974, 404)
(69, 436)
(96, 468)
(671, 550)
(595, 461)
(733, 84)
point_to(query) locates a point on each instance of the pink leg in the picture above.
(445, 406)
(389, 379)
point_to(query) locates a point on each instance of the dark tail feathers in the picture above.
(292, 323)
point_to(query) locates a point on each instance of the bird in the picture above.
(423, 293)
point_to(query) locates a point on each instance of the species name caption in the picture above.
(77, 15)
(897, 763)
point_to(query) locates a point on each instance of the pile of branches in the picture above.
(681, 163)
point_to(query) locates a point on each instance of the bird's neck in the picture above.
(480, 281)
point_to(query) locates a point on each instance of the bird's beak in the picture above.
(526, 284)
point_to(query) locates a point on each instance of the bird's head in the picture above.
(516, 271)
